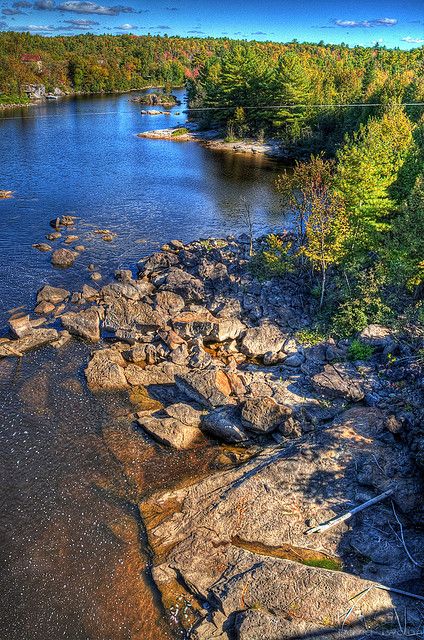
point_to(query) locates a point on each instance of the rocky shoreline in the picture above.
(214, 140)
(220, 357)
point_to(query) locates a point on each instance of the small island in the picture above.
(157, 99)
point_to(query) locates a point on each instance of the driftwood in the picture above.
(339, 519)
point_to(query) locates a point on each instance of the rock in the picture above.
(176, 245)
(79, 248)
(53, 236)
(211, 388)
(259, 340)
(37, 338)
(123, 275)
(96, 276)
(170, 431)
(20, 327)
(64, 337)
(85, 324)
(376, 336)
(160, 374)
(132, 314)
(236, 539)
(185, 413)
(189, 288)
(224, 423)
(70, 239)
(338, 380)
(63, 258)
(44, 308)
(67, 221)
(42, 246)
(89, 293)
(55, 295)
(192, 324)
(264, 415)
(171, 302)
(156, 262)
(121, 289)
(294, 360)
(106, 370)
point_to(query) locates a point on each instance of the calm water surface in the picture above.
(74, 563)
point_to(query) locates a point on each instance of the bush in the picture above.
(181, 131)
(273, 259)
(310, 337)
(359, 351)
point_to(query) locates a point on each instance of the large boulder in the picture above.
(211, 388)
(85, 324)
(258, 341)
(202, 323)
(20, 326)
(264, 415)
(377, 336)
(339, 381)
(156, 262)
(106, 370)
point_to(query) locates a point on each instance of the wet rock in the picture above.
(63, 258)
(224, 423)
(89, 293)
(96, 276)
(339, 380)
(42, 246)
(85, 324)
(79, 247)
(37, 338)
(21, 326)
(259, 340)
(53, 236)
(170, 431)
(44, 308)
(264, 415)
(55, 295)
(71, 239)
(64, 338)
(211, 388)
(106, 370)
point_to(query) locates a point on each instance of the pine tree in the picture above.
(291, 87)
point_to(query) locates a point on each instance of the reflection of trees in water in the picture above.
(234, 179)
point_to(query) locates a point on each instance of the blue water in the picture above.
(82, 156)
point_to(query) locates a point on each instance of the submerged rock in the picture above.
(171, 431)
(37, 338)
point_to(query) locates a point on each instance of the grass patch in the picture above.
(181, 131)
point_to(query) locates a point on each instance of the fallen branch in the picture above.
(402, 539)
(408, 594)
(339, 519)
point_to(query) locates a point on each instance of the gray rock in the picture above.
(171, 302)
(264, 415)
(156, 262)
(377, 336)
(185, 413)
(260, 340)
(224, 423)
(85, 324)
(132, 314)
(294, 360)
(183, 283)
(339, 380)
(42, 246)
(55, 295)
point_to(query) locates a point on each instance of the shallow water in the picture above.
(73, 468)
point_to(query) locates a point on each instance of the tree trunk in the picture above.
(322, 285)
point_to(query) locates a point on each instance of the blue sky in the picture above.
(391, 23)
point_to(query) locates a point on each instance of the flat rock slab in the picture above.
(237, 538)
(211, 388)
(339, 381)
(171, 432)
(36, 338)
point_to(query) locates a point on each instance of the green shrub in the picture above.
(181, 131)
(359, 351)
(309, 337)
(273, 259)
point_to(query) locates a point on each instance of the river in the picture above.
(74, 560)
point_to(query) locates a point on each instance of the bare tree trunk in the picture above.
(324, 271)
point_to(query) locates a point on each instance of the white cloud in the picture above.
(411, 40)
(366, 24)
